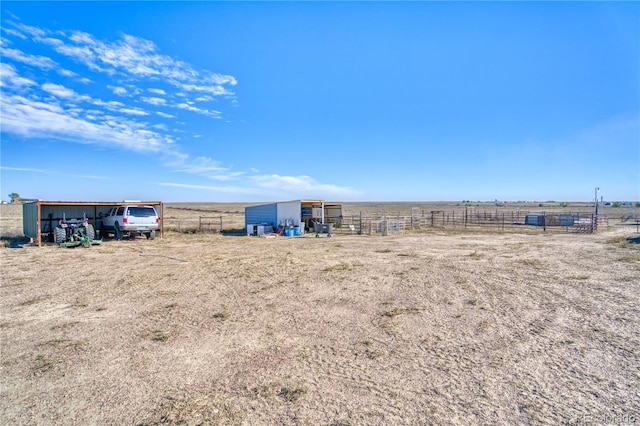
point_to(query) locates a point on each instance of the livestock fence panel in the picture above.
(204, 224)
(470, 219)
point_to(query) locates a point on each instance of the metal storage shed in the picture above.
(294, 213)
(41, 217)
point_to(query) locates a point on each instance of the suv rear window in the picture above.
(141, 211)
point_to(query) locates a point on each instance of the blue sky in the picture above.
(343, 101)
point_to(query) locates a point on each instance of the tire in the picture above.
(151, 235)
(117, 234)
(59, 235)
(91, 233)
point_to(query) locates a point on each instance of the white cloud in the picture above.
(215, 90)
(9, 77)
(203, 99)
(199, 165)
(138, 57)
(29, 118)
(54, 111)
(111, 105)
(67, 73)
(32, 31)
(187, 106)
(134, 111)
(58, 90)
(120, 91)
(132, 58)
(275, 187)
(52, 172)
(50, 41)
(15, 33)
(225, 189)
(301, 186)
(154, 100)
(33, 60)
(23, 169)
(81, 37)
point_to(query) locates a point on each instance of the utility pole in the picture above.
(595, 207)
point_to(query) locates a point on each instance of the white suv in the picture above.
(132, 219)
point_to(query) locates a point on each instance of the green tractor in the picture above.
(75, 232)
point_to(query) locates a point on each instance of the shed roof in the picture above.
(92, 203)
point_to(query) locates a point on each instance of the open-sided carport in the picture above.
(41, 217)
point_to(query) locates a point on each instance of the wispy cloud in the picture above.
(135, 57)
(53, 110)
(51, 172)
(300, 185)
(214, 188)
(31, 118)
(24, 169)
(120, 91)
(9, 77)
(154, 100)
(266, 187)
(124, 94)
(202, 166)
(33, 60)
(134, 111)
(59, 91)
(189, 107)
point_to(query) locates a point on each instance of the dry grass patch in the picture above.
(292, 393)
(579, 277)
(534, 263)
(343, 266)
(33, 301)
(42, 364)
(159, 335)
(201, 411)
(222, 316)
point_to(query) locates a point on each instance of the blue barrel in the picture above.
(288, 232)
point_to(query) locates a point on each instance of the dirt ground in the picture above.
(425, 328)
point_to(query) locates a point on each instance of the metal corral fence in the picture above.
(488, 220)
(206, 224)
(467, 219)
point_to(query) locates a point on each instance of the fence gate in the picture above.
(210, 224)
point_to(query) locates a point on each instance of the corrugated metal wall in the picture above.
(72, 212)
(289, 211)
(265, 213)
(29, 220)
(50, 215)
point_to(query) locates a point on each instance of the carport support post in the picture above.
(39, 232)
(162, 220)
